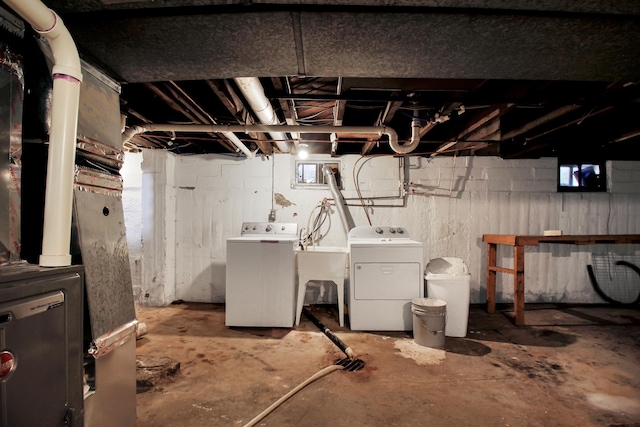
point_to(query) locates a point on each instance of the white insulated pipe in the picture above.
(67, 76)
(362, 130)
(239, 144)
(253, 92)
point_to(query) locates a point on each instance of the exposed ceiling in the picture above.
(485, 77)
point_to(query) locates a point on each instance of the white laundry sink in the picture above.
(318, 262)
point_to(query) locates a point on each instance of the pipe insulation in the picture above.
(253, 92)
(345, 216)
(67, 76)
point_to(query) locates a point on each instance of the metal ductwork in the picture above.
(253, 92)
(345, 216)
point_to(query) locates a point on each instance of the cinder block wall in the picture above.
(188, 216)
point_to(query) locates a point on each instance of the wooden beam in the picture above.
(491, 131)
(626, 136)
(540, 121)
(474, 125)
(170, 102)
(446, 110)
(390, 111)
(491, 276)
(368, 146)
(384, 118)
(482, 121)
(265, 146)
(218, 89)
(572, 122)
(284, 104)
(195, 117)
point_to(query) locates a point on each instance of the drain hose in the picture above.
(284, 398)
(337, 341)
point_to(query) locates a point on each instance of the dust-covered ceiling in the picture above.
(483, 77)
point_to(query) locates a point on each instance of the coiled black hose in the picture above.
(602, 294)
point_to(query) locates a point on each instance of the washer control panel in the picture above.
(378, 232)
(269, 228)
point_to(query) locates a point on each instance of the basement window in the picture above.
(582, 177)
(309, 174)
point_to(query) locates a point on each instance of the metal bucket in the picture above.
(429, 321)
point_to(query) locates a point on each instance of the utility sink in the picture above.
(321, 263)
(318, 262)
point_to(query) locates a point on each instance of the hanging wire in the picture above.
(312, 234)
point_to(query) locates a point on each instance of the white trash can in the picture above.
(448, 279)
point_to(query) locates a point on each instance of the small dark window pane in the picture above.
(581, 177)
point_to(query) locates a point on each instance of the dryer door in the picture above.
(387, 281)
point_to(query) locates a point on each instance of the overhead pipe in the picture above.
(413, 142)
(239, 144)
(67, 76)
(136, 130)
(361, 130)
(253, 92)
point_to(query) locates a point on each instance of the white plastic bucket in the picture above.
(429, 321)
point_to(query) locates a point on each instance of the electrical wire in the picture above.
(357, 185)
(312, 234)
(422, 119)
(355, 175)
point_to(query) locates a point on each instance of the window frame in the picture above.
(598, 186)
(335, 164)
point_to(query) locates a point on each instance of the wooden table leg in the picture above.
(491, 277)
(518, 284)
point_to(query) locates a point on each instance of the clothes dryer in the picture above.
(385, 275)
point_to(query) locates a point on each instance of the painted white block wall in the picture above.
(132, 205)
(205, 199)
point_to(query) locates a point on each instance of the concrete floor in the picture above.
(571, 365)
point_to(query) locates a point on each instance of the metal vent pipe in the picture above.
(345, 216)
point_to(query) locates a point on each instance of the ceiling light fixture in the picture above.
(303, 153)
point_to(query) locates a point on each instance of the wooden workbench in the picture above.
(518, 243)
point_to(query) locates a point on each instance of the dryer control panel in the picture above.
(378, 232)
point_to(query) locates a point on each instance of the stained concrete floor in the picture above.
(570, 366)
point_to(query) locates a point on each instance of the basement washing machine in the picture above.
(260, 278)
(385, 275)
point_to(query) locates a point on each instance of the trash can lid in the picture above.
(447, 265)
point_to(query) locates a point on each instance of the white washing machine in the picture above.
(385, 275)
(260, 286)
